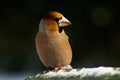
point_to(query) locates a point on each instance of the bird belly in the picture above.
(54, 51)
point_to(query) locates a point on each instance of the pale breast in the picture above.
(53, 50)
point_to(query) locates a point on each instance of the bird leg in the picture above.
(51, 69)
(58, 68)
(48, 69)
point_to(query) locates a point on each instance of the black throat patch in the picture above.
(60, 29)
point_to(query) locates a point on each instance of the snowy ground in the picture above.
(83, 72)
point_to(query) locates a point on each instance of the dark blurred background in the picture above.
(94, 34)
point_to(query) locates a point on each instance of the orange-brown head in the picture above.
(52, 21)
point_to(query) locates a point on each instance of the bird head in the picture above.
(53, 21)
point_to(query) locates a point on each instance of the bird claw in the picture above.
(58, 68)
(46, 71)
(53, 69)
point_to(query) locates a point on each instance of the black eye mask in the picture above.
(57, 20)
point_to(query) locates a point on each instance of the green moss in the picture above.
(118, 69)
(68, 70)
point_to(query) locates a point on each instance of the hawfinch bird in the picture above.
(52, 43)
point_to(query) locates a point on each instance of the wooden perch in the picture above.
(98, 73)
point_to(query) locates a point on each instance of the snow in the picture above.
(83, 72)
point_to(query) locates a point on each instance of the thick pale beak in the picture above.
(64, 22)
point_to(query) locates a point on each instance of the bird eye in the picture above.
(57, 19)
